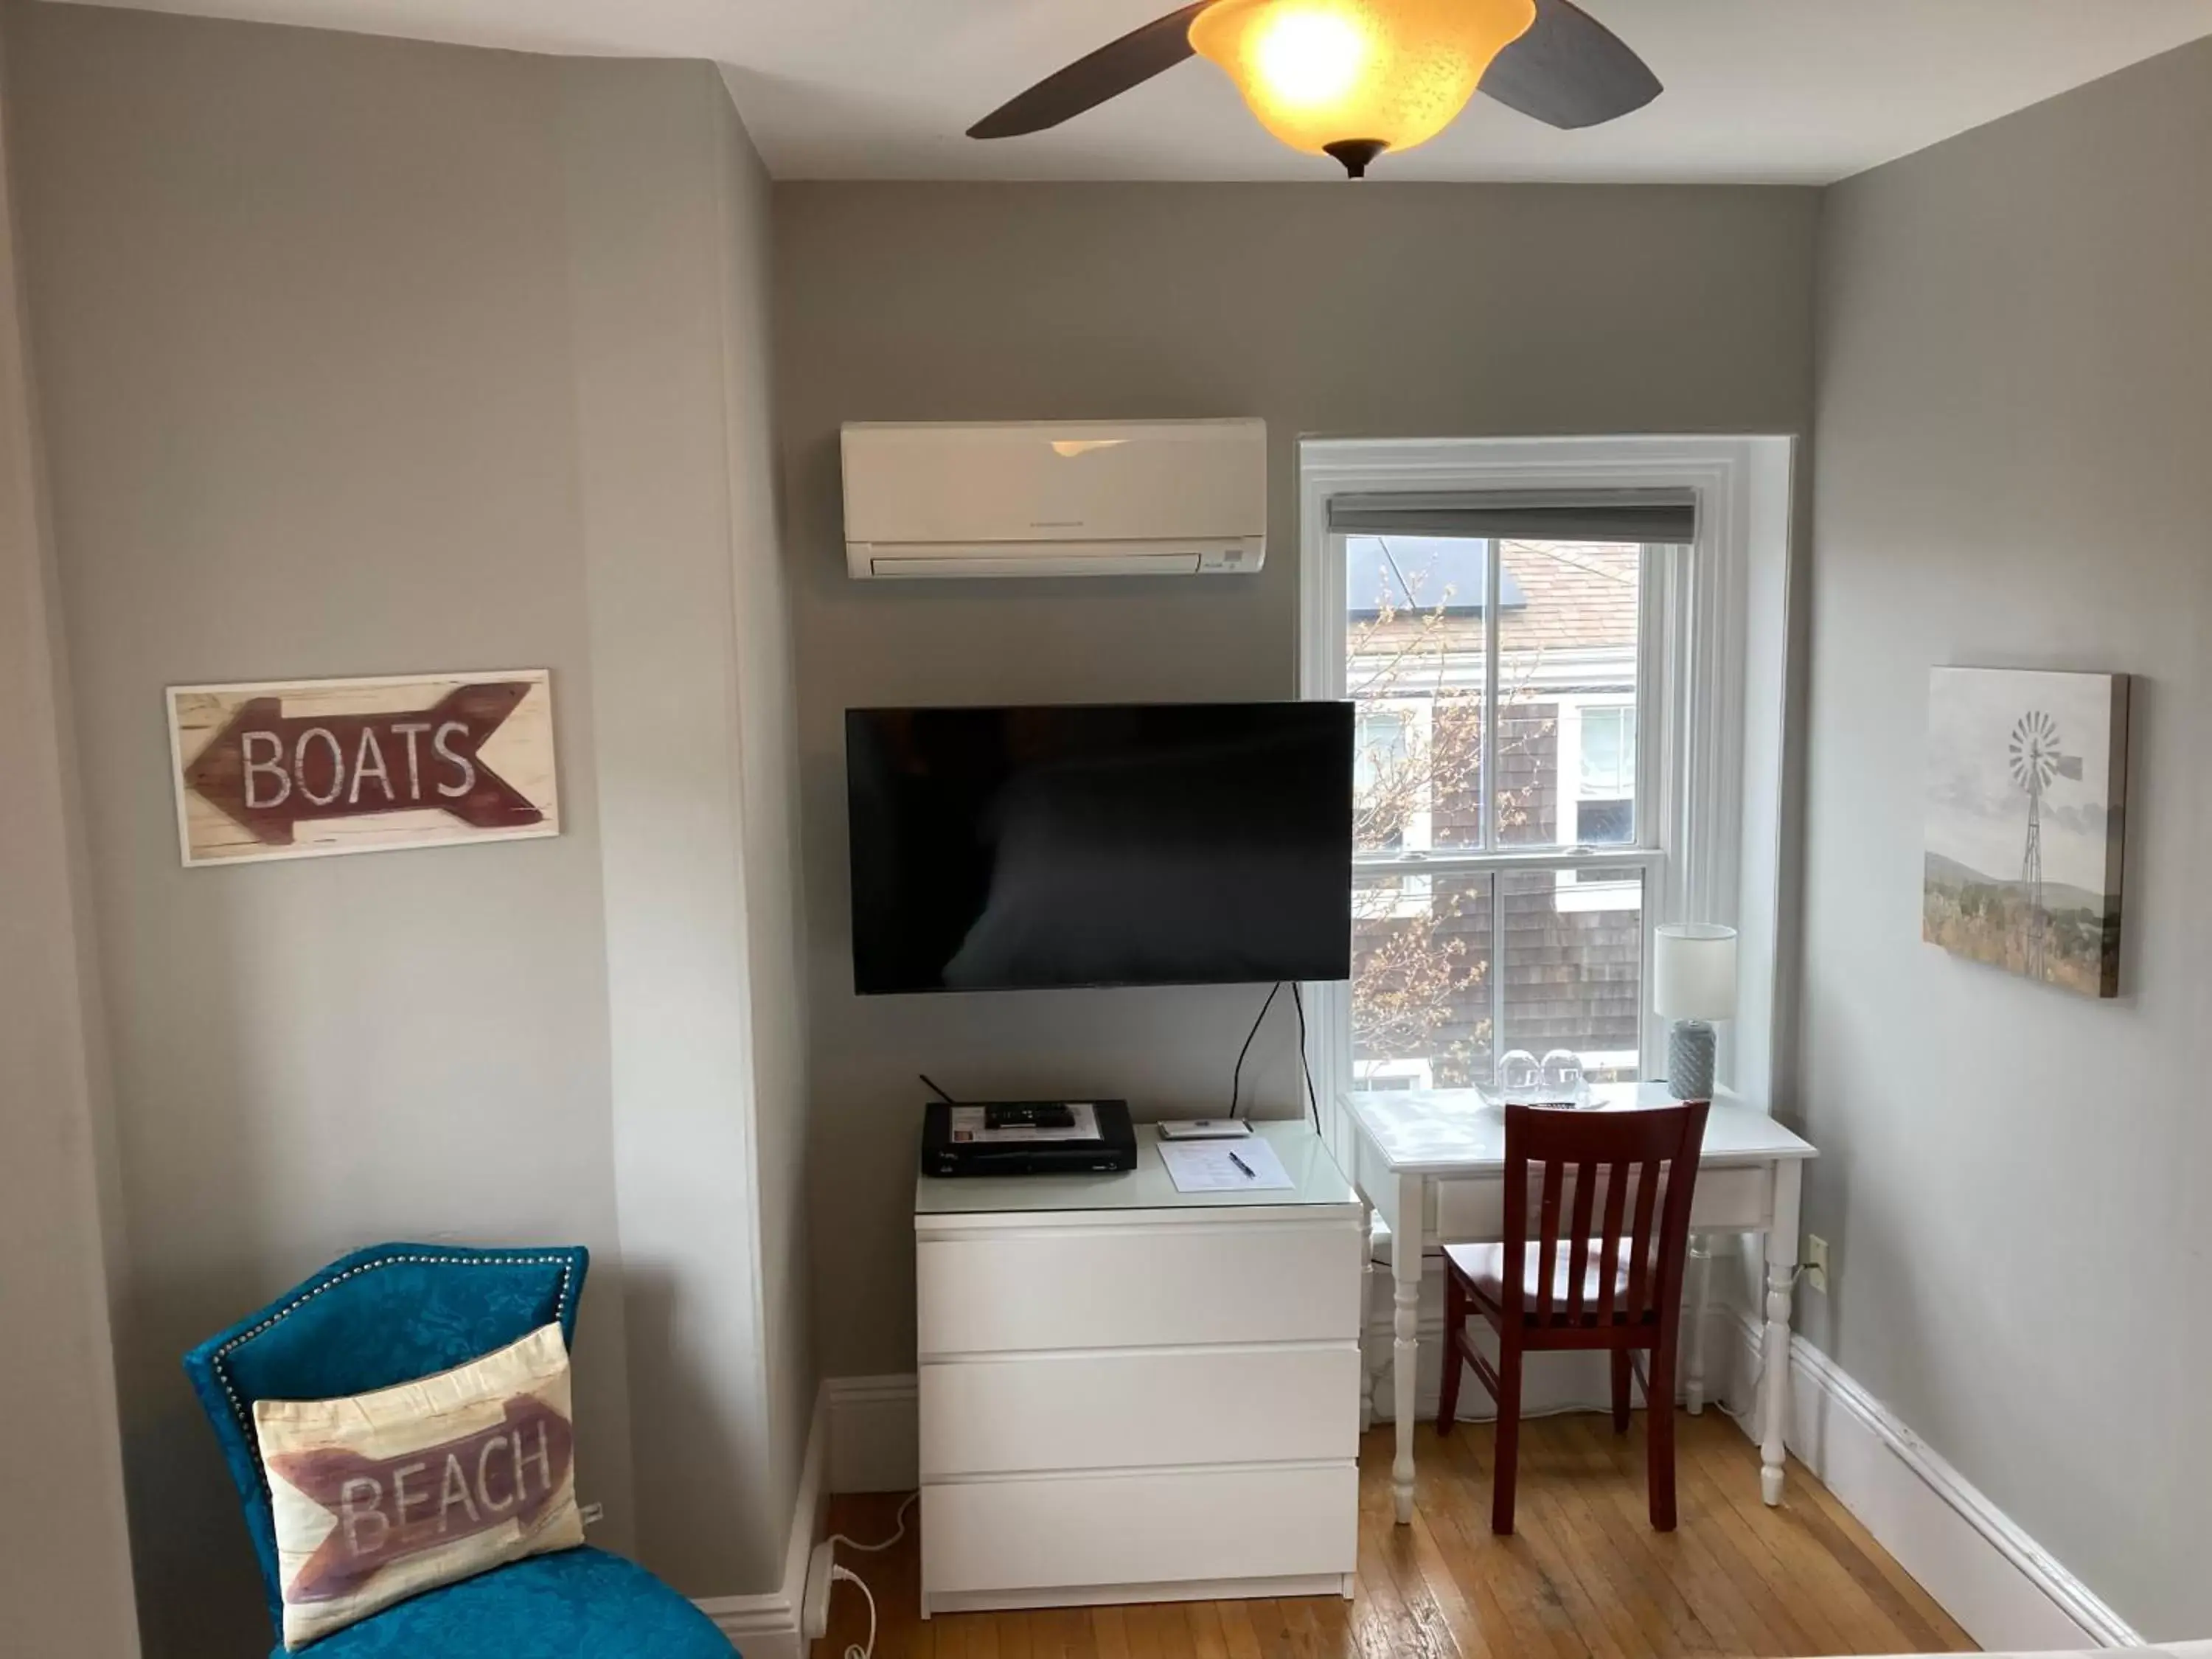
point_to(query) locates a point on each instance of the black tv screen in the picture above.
(1007, 848)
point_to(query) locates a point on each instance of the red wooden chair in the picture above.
(1582, 1276)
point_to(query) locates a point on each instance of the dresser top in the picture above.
(1314, 1174)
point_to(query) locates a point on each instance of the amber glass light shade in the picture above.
(1379, 73)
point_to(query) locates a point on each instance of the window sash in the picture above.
(1642, 862)
(1455, 862)
(1654, 700)
(1644, 868)
(1659, 571)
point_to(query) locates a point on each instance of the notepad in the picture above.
(1224, 1166)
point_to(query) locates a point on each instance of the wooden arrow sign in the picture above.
(341, 766)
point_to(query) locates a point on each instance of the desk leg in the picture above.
(1406, 1281)
(1774, 1356)
(1701, 1292)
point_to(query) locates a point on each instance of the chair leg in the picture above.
(1454, 1361)
(1659, 1441)
(1621, 1369)
(1508, 1435)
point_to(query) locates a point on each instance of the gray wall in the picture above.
(363, 356)
(1373, 311)
(692, 722)
(770, 843)
(2015, 409)
(64, 1544)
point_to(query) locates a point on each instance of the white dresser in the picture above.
(1132, 1395)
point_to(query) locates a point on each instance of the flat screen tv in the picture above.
(1010, 848)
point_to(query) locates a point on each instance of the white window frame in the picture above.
(1710, 752)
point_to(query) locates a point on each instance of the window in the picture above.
(1474, 933)
(1547, 640)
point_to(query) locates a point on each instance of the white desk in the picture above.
(1432, 1164)
(1133, 1394)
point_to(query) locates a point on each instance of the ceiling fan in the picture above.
(1353, 78)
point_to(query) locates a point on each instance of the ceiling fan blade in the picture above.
(1108, 72)
(1569, 70)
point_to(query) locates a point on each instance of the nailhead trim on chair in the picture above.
(238, 1406)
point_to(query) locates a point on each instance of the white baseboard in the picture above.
(766, 1626)
(2009, 1592)
(875, 1433)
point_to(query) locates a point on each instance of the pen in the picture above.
(1242, 1165)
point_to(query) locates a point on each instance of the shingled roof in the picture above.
(1555, 596)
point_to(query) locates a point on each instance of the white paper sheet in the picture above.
(1224, 1166)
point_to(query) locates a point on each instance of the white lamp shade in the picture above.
(1694, 972)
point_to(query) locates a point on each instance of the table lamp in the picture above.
(1694, 984)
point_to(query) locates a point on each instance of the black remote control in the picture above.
(1029, 1114)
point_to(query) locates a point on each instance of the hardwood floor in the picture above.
(1585, 1575)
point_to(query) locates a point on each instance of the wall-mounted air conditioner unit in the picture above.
(1056, 498)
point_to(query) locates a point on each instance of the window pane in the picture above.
(1609, 743)
(1420, 982)
(1413, 650)
(1574, 968)
(1567, 685)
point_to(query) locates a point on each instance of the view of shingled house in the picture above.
(1455, 968)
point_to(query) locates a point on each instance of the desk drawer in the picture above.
(1138, 1408)
(1160, 1285)
(1069, 1531)
(1736, 1198)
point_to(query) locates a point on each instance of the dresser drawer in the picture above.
(1073, 1531)
(1139, 1407)
(1011, 1289)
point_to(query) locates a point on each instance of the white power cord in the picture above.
(856, 1650)
(823, 1573)
(877, 1549)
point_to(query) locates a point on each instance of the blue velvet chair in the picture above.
(389, 1314)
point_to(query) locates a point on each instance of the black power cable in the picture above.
(1237, 1080)
(1305, 1066)
(1313, 1095)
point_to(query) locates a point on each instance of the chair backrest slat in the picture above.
(1616, 1178)
(1640, 1261)
(1578, 1261)
(1548, 1254)
(1656, 1150)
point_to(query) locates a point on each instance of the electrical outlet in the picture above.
(1816, 1263)
(814, 1603)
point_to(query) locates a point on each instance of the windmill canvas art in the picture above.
(2027, 800)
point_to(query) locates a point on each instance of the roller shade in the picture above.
(1616, 515)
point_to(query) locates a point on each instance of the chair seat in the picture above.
(1483, 1266)
(579, 1604)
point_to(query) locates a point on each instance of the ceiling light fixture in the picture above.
(1353, 78)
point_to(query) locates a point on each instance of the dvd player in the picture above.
(1028, 1137)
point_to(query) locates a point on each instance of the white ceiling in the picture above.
(1797, 91)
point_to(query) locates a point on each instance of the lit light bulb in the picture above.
(1308, 56)
(1351, 78)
